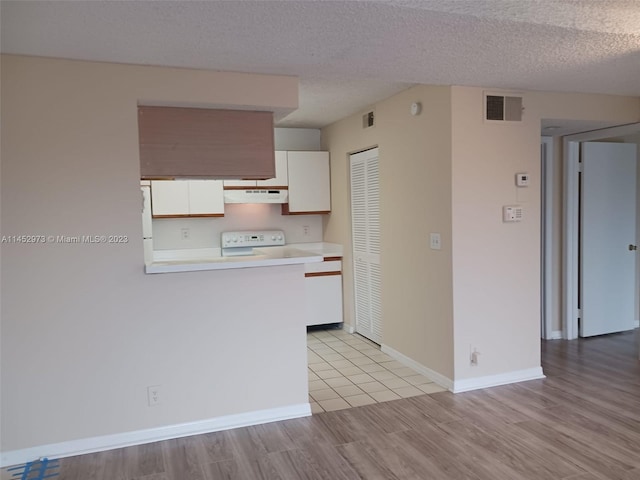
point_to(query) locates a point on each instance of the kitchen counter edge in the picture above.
(304, 253)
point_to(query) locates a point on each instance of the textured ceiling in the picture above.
(350, 54)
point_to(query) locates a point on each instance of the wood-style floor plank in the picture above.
(580, 423)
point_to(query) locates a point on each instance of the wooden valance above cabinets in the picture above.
(202, 143)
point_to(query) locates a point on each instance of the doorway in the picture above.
(573, 278)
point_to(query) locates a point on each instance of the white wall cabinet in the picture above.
(309, 183)
(280, 180)
(323, 292)
(187, 198)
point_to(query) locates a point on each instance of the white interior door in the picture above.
(365, 224)
(607, 228)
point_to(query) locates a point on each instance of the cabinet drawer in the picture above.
(332, 266)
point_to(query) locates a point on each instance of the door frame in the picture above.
(570, 224)
(546, 223)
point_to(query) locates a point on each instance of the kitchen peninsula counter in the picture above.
(193, 260)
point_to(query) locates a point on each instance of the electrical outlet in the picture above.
(153, 395)
(305, 230)
(185, 233)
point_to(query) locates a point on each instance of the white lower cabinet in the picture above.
(323, 291)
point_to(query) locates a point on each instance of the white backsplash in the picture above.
(205, 232)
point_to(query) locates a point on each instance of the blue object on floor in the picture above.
(36, 470)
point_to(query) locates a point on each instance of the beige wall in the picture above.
(415, 197)
(84, 330)
(496, 266)
(449, 171)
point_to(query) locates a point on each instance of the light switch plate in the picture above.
(435, 241)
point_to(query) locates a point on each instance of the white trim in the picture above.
(459, 386)
(127, 439)
(547, 241)
(495, 380)
(570, 280)
(349, 328)
(570, 234)
(427, 372)
(555, 335)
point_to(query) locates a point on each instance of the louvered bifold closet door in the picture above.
(365, 221)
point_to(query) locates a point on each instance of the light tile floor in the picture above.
(347, 370)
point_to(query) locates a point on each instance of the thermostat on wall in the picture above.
(512, 213)
(522, 179)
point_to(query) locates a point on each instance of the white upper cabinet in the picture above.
(280, 180)
(309, 183)
(178, 198)
(206, 197)
(169, 197)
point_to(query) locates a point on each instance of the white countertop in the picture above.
(321, 248)
(209, 259)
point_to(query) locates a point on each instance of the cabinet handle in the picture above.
(632, 247)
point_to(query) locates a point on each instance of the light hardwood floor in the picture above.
(581, 423)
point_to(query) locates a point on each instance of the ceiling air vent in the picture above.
(502, 108)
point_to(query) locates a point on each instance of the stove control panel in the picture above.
(259, 238)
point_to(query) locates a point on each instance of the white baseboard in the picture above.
(127, 439)
(348, 328)
(427, 372)
(495, 380)
(556, 335)
(458, 386)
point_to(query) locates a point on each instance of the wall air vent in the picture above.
(368, 120)
(502, 108)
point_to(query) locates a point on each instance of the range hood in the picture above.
(256, 195)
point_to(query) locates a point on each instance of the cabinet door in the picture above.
(309, 182)
(281, 179)
(169, 197)
(206, 197)
(323, 299)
